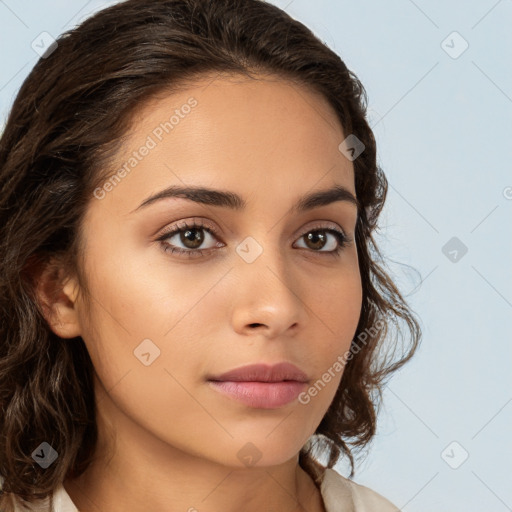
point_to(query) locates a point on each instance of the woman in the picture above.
(193, 310)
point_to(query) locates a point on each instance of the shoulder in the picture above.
(38, 505)
(337, 490)
(61, 503)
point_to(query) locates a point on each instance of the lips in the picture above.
(263, 373)
(261, 386)
(260, 395)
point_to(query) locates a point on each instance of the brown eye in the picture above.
(190, 237)
(318, 238)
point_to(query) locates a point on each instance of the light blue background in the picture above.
(444, 131)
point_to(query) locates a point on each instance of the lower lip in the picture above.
(262, 395)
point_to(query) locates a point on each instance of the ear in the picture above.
(57, 295)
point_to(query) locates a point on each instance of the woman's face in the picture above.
(267, 288)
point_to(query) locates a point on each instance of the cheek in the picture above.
(337, 305)
(337, 302)
(147, 316)
(144, 345)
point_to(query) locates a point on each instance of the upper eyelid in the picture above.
(199, 224)
(336, 231)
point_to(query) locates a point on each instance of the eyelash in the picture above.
(342, 239)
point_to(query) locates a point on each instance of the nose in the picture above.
(267, 299)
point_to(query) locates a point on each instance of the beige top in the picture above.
(338, 493)
(343, 495)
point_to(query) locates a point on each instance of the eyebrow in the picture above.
(231, 200)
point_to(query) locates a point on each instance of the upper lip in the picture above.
(263, 373)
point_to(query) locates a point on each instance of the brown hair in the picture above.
(67, 122)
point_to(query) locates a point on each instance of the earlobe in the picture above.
(57, 297)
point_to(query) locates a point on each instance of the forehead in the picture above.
(238, 133)
(241, 112)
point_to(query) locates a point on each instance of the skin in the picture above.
(176, 440)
